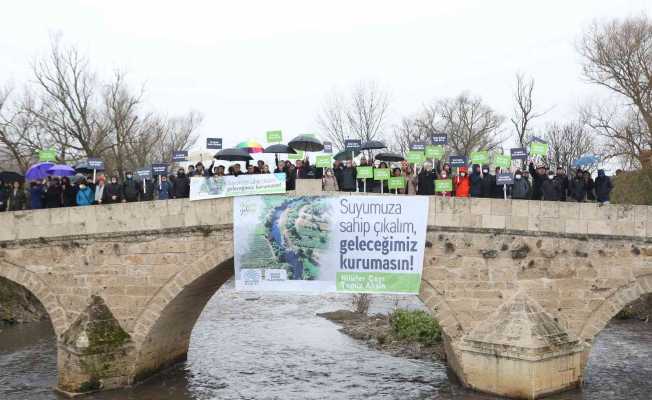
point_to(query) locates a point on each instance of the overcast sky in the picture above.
(253, 66)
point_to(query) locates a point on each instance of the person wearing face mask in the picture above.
(112, 192)
(551, 189)
(488, 185)
(426, 180)
(538, 178)
(328, 181)
(164, 190)
(476, 181)
(462, 183)
(53, 194)
(130, 188)
(85, 196)
(520, 187)
(181, 187)
(68, 193)
(99, 190)
(563, 182)
(589, 186)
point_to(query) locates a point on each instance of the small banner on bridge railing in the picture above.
(243, 185)
(354, 244)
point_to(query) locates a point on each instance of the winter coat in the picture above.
(148, 193)
(329, 183)
(576, 189)
(411, 185)
(347, 179)
(537, 182)
(290, 178)
(36, 194)
(181, 187)
(4, 198)
(563, 184)
(69, 196)
(589, 186)
(164, 191)
(489, 187)
(17, 200)
(462, 184)
(603, 187)
(52, 196)
(426, 182)
(112, 193)
(130, 190)
(85, 196)
(521, 189)
(551, 190)
(476, 181)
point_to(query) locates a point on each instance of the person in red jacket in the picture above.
(462, 183)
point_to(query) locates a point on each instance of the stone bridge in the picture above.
(521, 288)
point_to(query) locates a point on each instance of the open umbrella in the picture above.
(344, 155)
(306, 143)
(85, 168)
(251, 146)
(38, 171)
(233, 155)
(373, 145)
(585, 161)
(61, 170)
(389, 157)
(11, 177)
(279, 148)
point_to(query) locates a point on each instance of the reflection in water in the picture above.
(272, 346)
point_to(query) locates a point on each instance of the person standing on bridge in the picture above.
(538, 177)
(426, 180)
(520, 187)
(462, 183)
(130, 189)
(181, 187)
(112, 192)
(476, 181)
(603, 187)
(85, 195)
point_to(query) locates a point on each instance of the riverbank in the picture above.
(378, 333)
(640, 310)
(18, 305)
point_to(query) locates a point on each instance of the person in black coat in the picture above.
(538, 177)
(53, 194)
(603, 187)
(476, 181)
(426, 180)
(562, 179)
(181, 186)
(488, 183)
(69, 193)
(130, 189)
(4, 196)
(576, 189)
(589, 186)
(112, 192)
(551, 188)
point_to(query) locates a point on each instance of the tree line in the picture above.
(66, 106)
(616, 55)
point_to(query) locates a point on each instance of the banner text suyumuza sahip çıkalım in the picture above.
(242, 185)
(368, 244)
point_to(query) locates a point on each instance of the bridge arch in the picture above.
(162, 331)
(30, 281)
(613, 304)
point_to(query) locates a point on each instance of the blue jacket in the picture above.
(164, 190)
(85, 197)
(36, 197)
(476, 181)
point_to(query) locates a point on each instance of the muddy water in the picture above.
(271, 346)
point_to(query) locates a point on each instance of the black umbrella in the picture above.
(389, 157)
(85, 168)
(373, 145)
(306, 143)
(11, 177)
(233, 155)
(344, 155)
(279, 148)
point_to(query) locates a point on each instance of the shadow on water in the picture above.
(273, 346)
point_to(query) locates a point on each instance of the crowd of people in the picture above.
(534, 183)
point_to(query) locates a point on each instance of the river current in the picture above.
(273, 346)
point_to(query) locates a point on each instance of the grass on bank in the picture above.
(415, 325)
(634, 187)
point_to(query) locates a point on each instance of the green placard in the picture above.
(381, 174)
(364, 172)
(434, 152)
(323, 162)
(396, 182)
(415, 157)
(274, 136)
(298, 156)
(479, 157)
(47, 155)
(538, 149)
(502, 161)
(443, 185)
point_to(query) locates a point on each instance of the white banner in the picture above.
(372, 244)
(242, 185)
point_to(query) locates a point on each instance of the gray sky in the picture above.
(253, 66)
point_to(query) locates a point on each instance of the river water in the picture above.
(273, 346)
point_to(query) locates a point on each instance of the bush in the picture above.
(360, 303)
(634, 187)
(415, 325)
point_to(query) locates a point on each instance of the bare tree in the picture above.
(618, 55)
(362, 116)
(524, 111)
(567, 142)
(408, 131)
(471, 125)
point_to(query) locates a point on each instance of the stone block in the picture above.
(480, 206)
(569, 210)
(549, 209)
(520, 208)
(589, 211)
(501, 207)
(493, 221)
(600, 227)
(576, 226)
